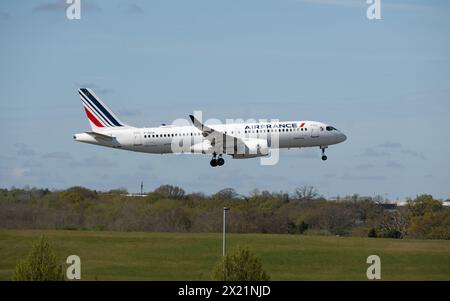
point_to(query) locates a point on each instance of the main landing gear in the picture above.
(217, 161)
(324, 158)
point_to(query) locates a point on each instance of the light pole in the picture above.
(225, 209)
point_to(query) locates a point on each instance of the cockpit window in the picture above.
(330, 128)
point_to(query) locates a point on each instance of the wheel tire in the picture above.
(213, 163)
(324, 158)
(220, 161)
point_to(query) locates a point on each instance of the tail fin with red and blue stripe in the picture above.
(100, 116)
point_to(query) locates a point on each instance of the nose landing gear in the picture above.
(324, 158)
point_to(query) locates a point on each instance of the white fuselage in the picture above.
(182, 139)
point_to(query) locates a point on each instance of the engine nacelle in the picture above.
(203, 147)
(251, 148)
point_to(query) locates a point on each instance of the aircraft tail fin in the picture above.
(99, 115)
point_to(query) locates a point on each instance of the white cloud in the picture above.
(19, 172)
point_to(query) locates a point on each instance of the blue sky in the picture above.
(385, 83)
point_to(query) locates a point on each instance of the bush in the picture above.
(39, 265)
(241, 265)
(392, 234)
(293, 228)
(372, 233)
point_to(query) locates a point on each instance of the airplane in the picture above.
(239, 140)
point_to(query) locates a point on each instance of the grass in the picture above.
(191, 256)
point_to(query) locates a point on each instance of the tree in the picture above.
(119, 191)
(40, 264)
(225, 194)
(77, 195)
(241, 265)
(433, 225)
(169, 191)
(423, 204)
(393, 224)
(306, 193)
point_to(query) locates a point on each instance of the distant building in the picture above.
(402, 203)
(135, 194)
(389, 206)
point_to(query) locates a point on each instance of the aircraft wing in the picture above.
(220, 141)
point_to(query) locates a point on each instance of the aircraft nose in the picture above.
(343, 137)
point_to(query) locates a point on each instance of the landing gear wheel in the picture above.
(324, 158)
(220, 161)
(213, 162)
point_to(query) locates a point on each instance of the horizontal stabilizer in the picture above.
(100, 136)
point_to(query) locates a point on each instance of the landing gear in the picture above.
(217, 161)
(324, 158)
(213, 162)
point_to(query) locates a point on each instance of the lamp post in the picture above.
(225, 209)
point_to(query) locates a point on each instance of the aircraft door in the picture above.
(137, 138)
(314, 131)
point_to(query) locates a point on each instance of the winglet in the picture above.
(197, 123)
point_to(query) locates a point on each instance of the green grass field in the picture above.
(175, 256)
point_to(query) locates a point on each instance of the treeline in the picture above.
(170, 209)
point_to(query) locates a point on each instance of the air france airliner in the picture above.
(239, 140)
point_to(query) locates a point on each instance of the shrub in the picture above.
(372, 233)
(39, 265)
(241, 265)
